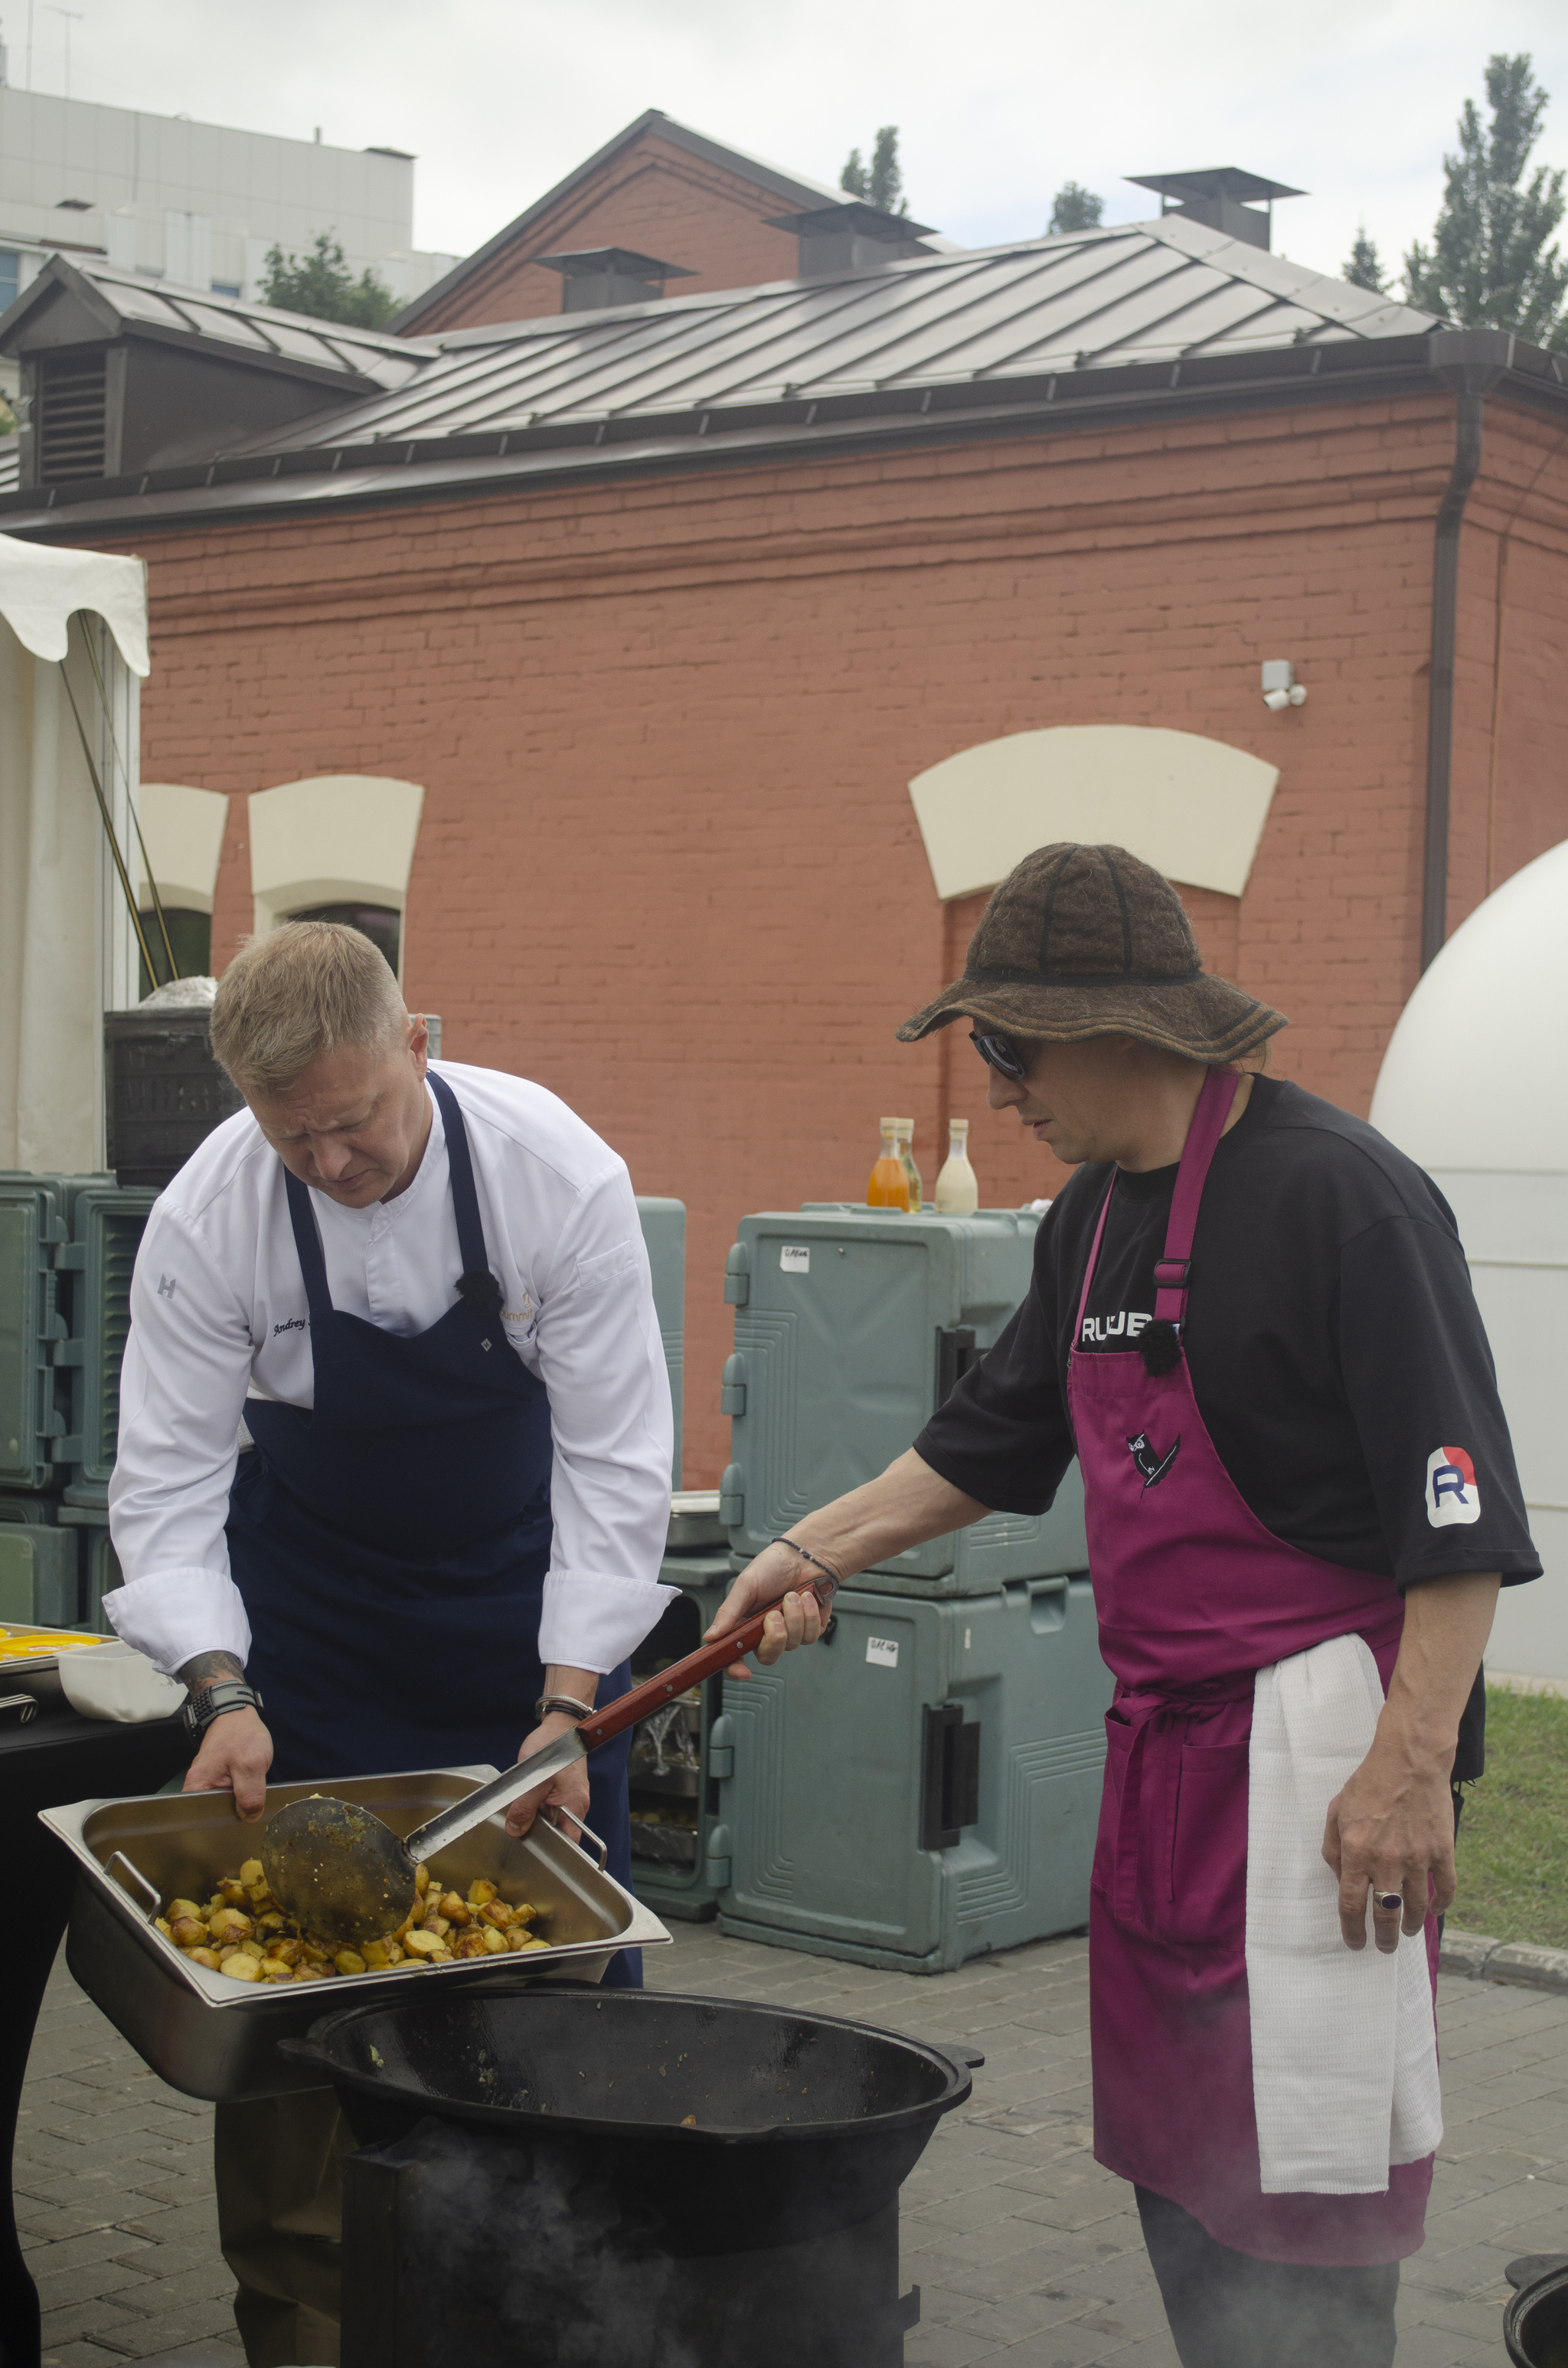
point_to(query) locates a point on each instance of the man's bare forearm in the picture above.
(210, 1669)
(1446, 1623)
(902, 1507)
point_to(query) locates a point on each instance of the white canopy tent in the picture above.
(1473, 1086)
(73, 645)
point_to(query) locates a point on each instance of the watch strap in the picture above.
(212, 1701)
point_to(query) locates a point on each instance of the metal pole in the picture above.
(108, 825)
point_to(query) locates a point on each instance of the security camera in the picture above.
(1280, 688)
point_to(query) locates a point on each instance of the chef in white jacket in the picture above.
(394, 1476)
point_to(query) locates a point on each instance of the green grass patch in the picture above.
(1513, 1845)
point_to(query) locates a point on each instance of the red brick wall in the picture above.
(653, 197)
(668, 864)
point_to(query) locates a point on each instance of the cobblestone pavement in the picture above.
(1026, 2252)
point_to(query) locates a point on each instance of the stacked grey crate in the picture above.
(67, 1246)
(925, 1788)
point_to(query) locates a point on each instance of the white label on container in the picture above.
(881, 1651)
(794, 1261)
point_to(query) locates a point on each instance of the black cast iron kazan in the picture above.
(719, 2122)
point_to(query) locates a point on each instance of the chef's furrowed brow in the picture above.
(337, 1125)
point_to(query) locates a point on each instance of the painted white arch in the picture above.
(1473, 1086)
(1193, 807)
(342, 839)
(182, 840)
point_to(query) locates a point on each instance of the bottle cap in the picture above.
(888, 1125)
(958, 1127)
(904, 1126)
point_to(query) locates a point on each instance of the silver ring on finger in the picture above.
(1387, 1903)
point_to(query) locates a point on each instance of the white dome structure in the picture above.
(1475, 1085)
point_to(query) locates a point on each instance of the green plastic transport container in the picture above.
(921, 1788)
(852, 1324)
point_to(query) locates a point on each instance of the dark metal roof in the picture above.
(124, 303)
(1096, 326)
(1170, 293)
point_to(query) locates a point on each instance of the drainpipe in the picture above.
(1471, 380)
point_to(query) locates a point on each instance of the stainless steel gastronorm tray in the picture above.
(216, 2038)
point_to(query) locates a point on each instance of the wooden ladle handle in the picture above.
(706, 1662)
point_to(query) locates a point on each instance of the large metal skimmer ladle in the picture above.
(344, 1875)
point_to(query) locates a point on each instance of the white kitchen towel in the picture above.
(1343, 2045)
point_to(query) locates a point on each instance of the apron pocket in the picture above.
(1119, 1735)
(1203, 1895)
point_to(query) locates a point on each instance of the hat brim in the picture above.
(1203, 1019)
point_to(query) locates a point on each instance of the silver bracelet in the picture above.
(547, 1702)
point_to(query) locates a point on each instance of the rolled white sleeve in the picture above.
(182, 1382)
(602, 1362)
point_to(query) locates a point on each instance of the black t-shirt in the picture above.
(1334, 1347)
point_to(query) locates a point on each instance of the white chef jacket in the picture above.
(218, 1313)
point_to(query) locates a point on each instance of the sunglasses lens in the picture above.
(1002, 1057)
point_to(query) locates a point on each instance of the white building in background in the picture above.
(1474, 1085)
(194, 202)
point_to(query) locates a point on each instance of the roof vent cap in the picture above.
(599, 276)
(851, 237)
(1217, 196)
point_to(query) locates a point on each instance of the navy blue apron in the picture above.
(391, 1543)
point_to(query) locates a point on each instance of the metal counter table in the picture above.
(57, 1757)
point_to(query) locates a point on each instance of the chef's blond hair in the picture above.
(298, 992)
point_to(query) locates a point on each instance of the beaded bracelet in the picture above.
(816, 1560)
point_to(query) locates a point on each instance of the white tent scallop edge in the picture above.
(41, 590)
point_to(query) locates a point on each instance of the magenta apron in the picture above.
(1194, 1596)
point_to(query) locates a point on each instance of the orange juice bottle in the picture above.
(888, 1185)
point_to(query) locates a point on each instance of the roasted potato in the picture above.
(242, 1931)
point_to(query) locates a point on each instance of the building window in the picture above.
(190, 937)
(225, 288)
(338, 847)
(10, 276)
(377, 922)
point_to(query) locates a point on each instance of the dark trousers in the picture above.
(1227, 2310)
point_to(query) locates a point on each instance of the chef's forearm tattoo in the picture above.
(209, 1669)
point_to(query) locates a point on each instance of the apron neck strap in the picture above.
(307, 1241)
(459, 1167)
(1173, 1272)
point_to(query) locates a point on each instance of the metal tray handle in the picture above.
(586, 1833)
(138, 1878)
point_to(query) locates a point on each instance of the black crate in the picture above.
(164, 1092)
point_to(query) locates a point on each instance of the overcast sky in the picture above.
(997, 101)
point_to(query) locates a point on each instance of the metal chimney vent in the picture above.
(599, 276)
(1218, 196)
(851, 237)
(72, 416)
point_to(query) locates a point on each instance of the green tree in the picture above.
(1365, 268)
(1075, 208)
(321, 284)
(880, 183)
(1490, 264)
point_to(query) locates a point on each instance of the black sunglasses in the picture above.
(1003, 1056)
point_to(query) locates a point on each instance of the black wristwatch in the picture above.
(229, 1693)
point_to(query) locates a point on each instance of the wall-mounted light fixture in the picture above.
(1280, 688)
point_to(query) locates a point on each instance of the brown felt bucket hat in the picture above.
(1089, 942)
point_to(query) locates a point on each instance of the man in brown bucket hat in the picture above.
(1251, 1319)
